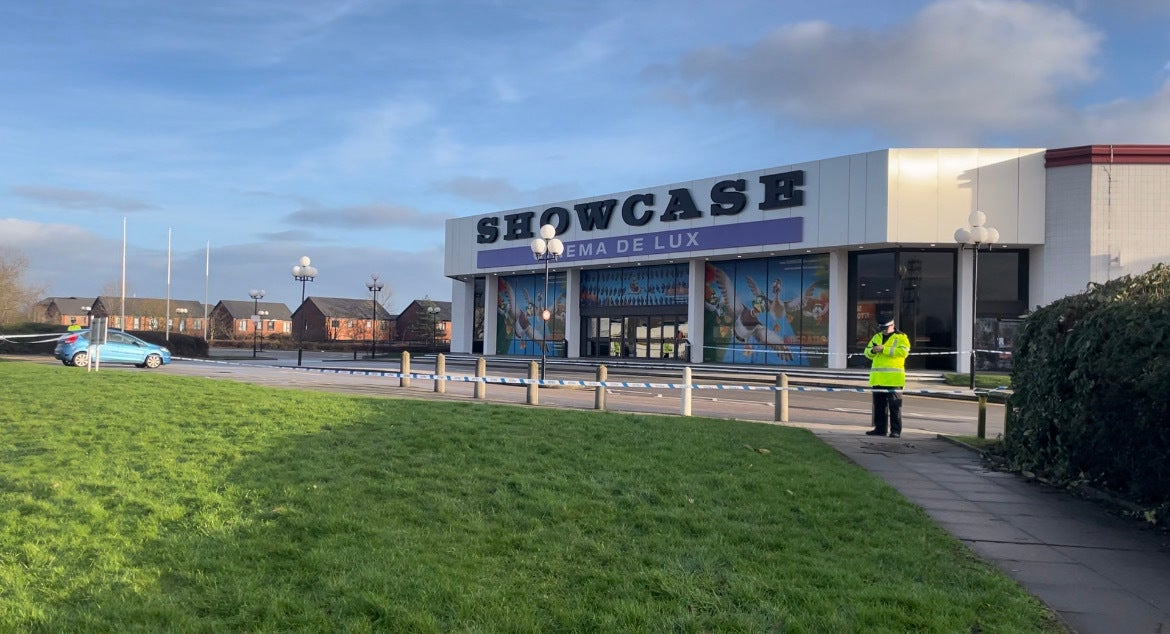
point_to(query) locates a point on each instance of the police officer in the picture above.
(887, 350)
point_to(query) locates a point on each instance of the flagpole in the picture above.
(122, 321)
(167, 316)
(206, 284)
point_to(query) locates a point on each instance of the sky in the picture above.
(249, 133)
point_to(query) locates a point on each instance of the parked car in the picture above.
(119, 348)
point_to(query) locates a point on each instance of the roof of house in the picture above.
(153, 306)
(69, 305)
(346, 307)
(243, 309)
(444, 313)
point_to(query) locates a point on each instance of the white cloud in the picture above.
(958, 69)
(1126, 121)
(372, 216)
(79, 200)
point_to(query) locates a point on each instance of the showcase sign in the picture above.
(727, 198)
(744, 234)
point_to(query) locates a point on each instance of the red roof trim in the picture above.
(1118, 154)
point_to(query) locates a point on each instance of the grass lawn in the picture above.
(136, 501)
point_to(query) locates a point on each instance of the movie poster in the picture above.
(767, 311)
(520, 330)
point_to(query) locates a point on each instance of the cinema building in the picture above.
(796, 264)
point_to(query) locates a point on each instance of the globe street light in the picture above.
(374, 285)
(546, 247)
(433, 311)
(256, 297)
(974, 235)
(303, 273)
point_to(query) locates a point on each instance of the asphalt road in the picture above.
(842, 409)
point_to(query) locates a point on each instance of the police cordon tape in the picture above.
(796, 350)
(41, 338)
(52, 337)
(504, 380)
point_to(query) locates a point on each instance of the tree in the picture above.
(16, 298)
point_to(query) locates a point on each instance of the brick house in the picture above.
(232, 319)
(341, 319)
(150, 313)
(63, 311)
(425, 321)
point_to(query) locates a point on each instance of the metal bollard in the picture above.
(599, 394)
(481, 372)
(981, 427)
(533, 388)
(781, 408)
(686, 395)
(440, 370)
(405, 370)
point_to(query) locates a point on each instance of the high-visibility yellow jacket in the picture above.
(889, 365)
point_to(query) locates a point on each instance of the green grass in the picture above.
(136, 501)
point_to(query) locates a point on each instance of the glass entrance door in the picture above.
(635, 337)
(637, 340)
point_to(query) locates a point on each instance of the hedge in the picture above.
(1091, 401)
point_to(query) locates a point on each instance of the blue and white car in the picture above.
(120, 347)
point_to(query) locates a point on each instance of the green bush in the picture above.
(1091, 374)
(179, 345)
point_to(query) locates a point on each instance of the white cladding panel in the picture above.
(834, 203)
(1067, 232)
(933, 191)
(875, 229)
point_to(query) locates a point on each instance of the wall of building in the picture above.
(876, 200)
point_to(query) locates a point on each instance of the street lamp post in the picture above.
(974, 235)
(256, 297)
(433, 311)
(374, 285)
(263, 314)
(303, 273)
(546, 247)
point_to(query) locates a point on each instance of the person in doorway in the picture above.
(887, 351)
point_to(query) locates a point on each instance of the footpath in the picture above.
(1099, 572)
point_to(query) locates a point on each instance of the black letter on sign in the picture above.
(519, 226)
(560, 214)
(630, 215)
(489, 230)
(780, 190)
(681, 207)
(595, 215)
(727, 198)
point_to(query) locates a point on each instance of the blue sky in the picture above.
(349, 131)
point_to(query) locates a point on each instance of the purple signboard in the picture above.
(744, 234)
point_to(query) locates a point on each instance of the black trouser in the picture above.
(887, 407)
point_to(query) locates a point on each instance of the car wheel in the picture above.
(153, 361)
(81, 359)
